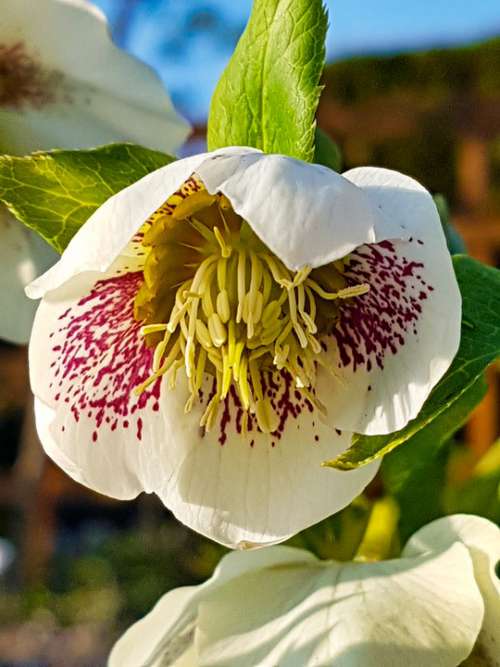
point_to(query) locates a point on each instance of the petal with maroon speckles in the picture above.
(234, 483)
(392, 345)
(254, 489)
(86, 358)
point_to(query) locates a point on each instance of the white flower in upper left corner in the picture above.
(288, 305)
(64, 84)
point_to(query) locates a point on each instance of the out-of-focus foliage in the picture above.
(455, 242)
(326, 151)
(424, 101)
(479, 493)
(116, 581)
(436, 73)
(338, 536)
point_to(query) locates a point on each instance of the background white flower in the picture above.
(282, 606)
(64, 84)
(251, 478)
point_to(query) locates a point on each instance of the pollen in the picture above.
(215, 300)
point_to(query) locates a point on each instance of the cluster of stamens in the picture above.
(239, 315)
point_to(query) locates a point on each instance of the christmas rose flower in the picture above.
(282, 606)
(219, 329)
(64, 84)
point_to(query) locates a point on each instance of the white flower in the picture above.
(288, 305)
(281, 606)
(64, 84)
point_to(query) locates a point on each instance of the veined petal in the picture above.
(22, 256)
(107, 232)
(306, 214)
(296, 611)
(393, 344)
(164, 637)
(424, 611)
(63, 95)
(252, 490)
(166, 634)
(241, 489)
(482, 539)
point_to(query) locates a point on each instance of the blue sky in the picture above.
(189, 41)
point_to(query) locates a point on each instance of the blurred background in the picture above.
(413, 86)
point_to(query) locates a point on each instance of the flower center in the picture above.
(215, 300)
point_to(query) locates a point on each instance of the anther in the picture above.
(224, 247)
(217, 330)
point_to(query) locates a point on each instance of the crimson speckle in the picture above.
(378, 323)
(286, 401)
(103, 357)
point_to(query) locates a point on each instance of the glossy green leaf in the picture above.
(416, 473)
(268, 94)
(479, 346)
(54, 193)
(401, 466)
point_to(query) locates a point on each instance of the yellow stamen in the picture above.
(231, 309)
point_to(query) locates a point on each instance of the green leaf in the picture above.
(54, 193)
(268, 94)
(479, 346)
(326, 151)
(416, 473)
(401, 466)
(420, 500)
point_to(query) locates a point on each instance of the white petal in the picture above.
(482, 539)
(85, 361)
(253, 490)
(109, 230)
(306, 214)
(412, 612)
(282, 606)
(86, 358)
(163, 635)
(22, 256)
(393, 344)
(85, 91)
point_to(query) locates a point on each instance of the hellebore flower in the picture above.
(218, 329)
(282, 606)
(64, 84)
